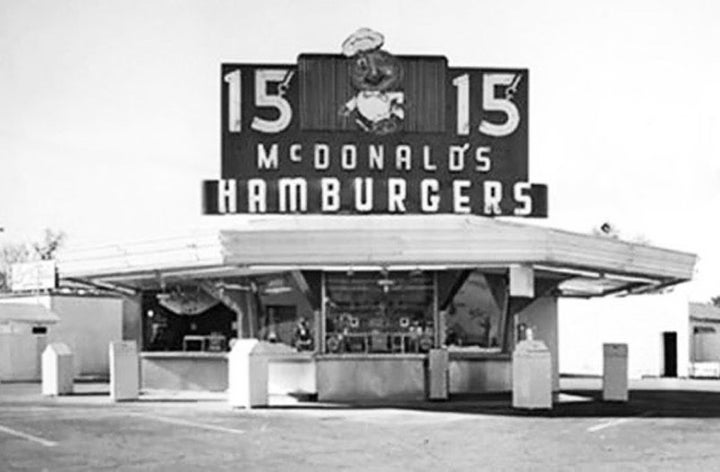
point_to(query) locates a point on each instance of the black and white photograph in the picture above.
(359, 236)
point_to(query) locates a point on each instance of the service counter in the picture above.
(371, 377)
(178, 370)
(288, 373)
(381, 377)
(479, 372)
(333, 377)
(293, 374)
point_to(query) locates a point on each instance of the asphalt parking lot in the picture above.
(666, 425)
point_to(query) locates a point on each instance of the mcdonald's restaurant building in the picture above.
(365, 196)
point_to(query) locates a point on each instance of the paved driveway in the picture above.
(665, 426)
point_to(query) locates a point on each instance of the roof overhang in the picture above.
(589, 265)
(33, 313)
(704, 313)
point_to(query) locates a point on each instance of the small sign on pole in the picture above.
(35, 275)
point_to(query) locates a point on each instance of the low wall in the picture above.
(480, 374)
(342, 378)
(184, 371)
(374, 377)
(294, 374)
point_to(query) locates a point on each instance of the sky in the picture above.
(110, 110)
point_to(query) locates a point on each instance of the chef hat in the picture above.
(363, 39)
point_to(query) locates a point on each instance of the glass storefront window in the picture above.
(207, 316)
(285, 313)
(474, 317)
(377, 312)
(185, 319)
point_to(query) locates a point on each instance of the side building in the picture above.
(667, 334)
(86, 322)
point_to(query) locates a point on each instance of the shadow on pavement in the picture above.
(572, 402)
(89, 394)
(581, 403)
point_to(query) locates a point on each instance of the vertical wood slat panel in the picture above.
(424, 94)
(326, 87)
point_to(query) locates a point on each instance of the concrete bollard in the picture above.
(615, 372)
(124, 371)
(532, 375)
(57, 370)
(248, 371)
(247, 378)
(438, 360)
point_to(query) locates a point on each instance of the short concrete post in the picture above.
(532, 375)
(124, 371)
(248, 372)
(615, 372)
(57, 370)
(247, 375)
(438, 372)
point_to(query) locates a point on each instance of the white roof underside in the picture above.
(592, 265)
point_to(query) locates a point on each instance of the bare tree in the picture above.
(52, 241)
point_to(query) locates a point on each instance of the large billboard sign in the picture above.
(370, 132)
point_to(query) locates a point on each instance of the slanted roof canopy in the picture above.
(590, 265)
(27, 313)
